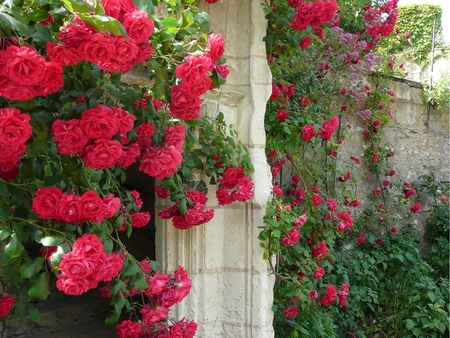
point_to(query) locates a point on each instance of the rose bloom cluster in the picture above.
(52, 204)
(15, 130)
(313, 14)
(381, 23)
(91, 136)
(234, 186)
(332, 294)
(25, 74)
(195, 74)
(164, 291)
(87, 265)
(195, 215)
(112, 53)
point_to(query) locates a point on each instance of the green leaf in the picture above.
(30, 269)
(14, 24)
(409, 324)
(182, 207)
(51, 241)
(203, 21)
(140, 282)
(104, 23)
(217, 80)
(39, 288)
(5, 232)
(78, 6)
(112, 319)
(145, 6)
(35, 315)
(62, 249)
(170, 22)
(130, 270)
(79, 177)
(118, 301)
(14, 248)
(41, 35)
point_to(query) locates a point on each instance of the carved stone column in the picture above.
(232, 293)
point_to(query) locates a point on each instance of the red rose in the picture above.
(216, 46)
(91, 206)
(308, 132)
(140, 219)
(69, 137)
(90, 247)
(102, 154)
(22, 65)
(361, 239)
(76, 267)
(129, 329)
(157, 284)
(67, 210)
(97, 47)
(151, 315)
(328, 128)
(14, 127)
(146, 129)
(110, 268)
(415, 208)
(46, 202)
(161, 163)
(61, 54)
(125, 49)
(129, 155)
(305, 13)
(99, 122)
(126, 120)
(72, 286)
(6, 304)
(184, 106)
(175, 136)
(110, 205)
(52, 80)
(138, 25)
(281, 115)
(194, 75)
(305, 42)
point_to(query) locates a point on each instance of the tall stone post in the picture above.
(231, 293)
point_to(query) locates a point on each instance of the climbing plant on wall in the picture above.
(69, 129)
(334, 188)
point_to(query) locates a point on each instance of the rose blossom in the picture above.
(68, 209)
(161, 163)
(129, 329)
(91, 206)
(102, 154)
(216, 46)
(138, 25)
(99, 47)
(76, 267)
(99, 122)
(72, 286)
(194, 75)
(175, 136)
(6, 304)
(308, 132)
(151, 315)
(328, 128)
(46, 201)
(140, 219)
(69, 138)
(15, 128)
(415, 208)
(184, 106)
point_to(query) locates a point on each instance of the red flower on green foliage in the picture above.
(361, 239)
(129, 329)
(234, 186)
(290, 312)
(308, 132)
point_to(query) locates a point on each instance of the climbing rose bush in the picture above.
(71, 131)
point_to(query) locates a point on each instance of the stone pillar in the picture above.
(232, 293)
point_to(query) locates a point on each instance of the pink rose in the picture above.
(415, 208)
(157, 284)
(125, 119)
(308, 132)
(110, 268)
(61, 54)
(126, 50)
(305, 42)
(328, 128)
(110, 205)
(140, 219)
(90, 247)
